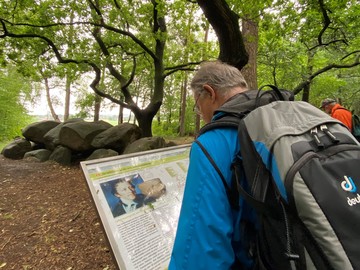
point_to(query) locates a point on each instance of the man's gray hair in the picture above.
(219, 75)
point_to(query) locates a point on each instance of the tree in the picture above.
(14, 92)
(127, 39)
(125, 43)
(225, 23)
(301, 41)
(315, 25)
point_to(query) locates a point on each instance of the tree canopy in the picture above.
(119, 42)
(14, 92)
(138, 53)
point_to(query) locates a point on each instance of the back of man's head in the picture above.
(219, 75)
(327, 101)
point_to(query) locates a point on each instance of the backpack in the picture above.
(356, 126)
(302, 170)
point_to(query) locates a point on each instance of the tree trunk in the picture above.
(121, 115)
(145, 118)
(183, 106)
(197, 117)
(169, 117)
(68, 76)
(121, 112)
(250, 30)
(306, 93)
(310, 68)
(226, 26)
(67, 98)
(48, 99)
(97, 106)
(197, 124)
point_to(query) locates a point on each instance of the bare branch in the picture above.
(94, 7)
(94, 85)
(326, 24)
(183, 67)
(326, 21)
(323, 70)
(329, 43)
(349, 54)
(62, 60)
(117, 4)
(103, 25)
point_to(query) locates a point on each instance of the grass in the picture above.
(180, 140)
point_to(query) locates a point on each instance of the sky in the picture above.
(40, 107)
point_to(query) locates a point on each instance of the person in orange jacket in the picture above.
(331, 107)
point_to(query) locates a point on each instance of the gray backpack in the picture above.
(303, 170)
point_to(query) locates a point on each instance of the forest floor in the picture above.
(48, 219)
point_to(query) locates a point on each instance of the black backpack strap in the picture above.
(232, 196)
(258, 205)
(257, 174)
(228, 121)
(278, 94)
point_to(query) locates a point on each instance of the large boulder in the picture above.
(144, 144)
(51, 138)
(39, 154)
(117, 137)
(61, 155)
(78, 135)
(102, 153)
(35, 132)
(16, 149)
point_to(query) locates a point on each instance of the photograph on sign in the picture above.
(138, 198)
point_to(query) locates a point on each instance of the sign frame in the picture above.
(140, 236)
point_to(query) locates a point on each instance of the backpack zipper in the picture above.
(332, 137)
(309, 155)
(314, 134)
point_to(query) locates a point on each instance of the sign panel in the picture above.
(138, 198)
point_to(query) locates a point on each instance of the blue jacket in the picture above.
(208, 234)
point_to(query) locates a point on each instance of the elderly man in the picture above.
(209, 234)
(331, 107)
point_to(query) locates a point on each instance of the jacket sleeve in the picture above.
(205, 229)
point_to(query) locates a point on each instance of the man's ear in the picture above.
(210, 91)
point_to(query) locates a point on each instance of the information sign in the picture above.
(138, 198)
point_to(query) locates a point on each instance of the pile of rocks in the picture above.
(76, 140)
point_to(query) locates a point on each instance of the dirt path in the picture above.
(48, 220)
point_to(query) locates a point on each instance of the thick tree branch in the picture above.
(61, 60)
(326, 26)
(302, 85)
(326, 20)
(226, 25)
(102, 25)
(94, 7)
(183, 67)
(117, 4)
(121, 79)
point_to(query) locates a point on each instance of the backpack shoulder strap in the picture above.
(228, 121)
(229, 116)
(238, 106)
(254, 167)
